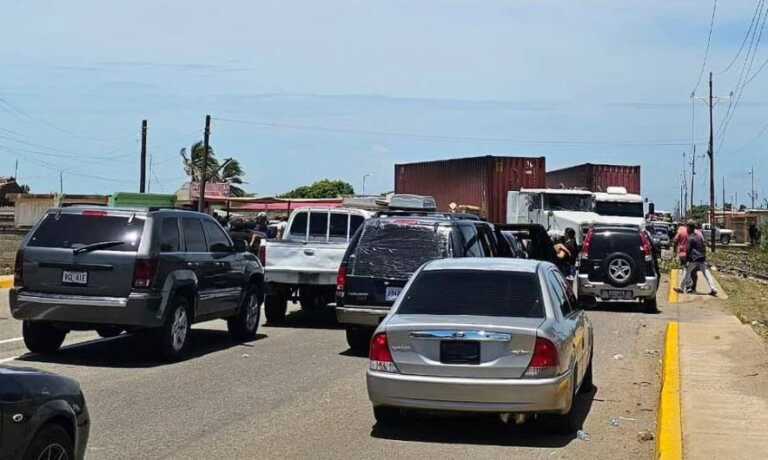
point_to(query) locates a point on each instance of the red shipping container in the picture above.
(481, 182)
(596, 177)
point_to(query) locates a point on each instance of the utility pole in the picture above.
(16, 170)
(204, 172)
(753, 193)
(711, 169)
(693, 173)
(143, 166)
(723, 194)
(61, 183)
(684, 193)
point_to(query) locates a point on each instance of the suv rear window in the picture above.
(605, 242)
(474, 292)
(395, 250)
(71, 231)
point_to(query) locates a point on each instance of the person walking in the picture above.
(681, 248)
(697, 260)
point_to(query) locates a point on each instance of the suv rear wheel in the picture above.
(275, 307)
(173, 336)
(619, 269)
(41, 337)
(244, 325)
(52, 441)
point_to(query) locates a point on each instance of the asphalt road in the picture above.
(298, 392)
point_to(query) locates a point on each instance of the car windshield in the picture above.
(618, 208)
(73, 231)
(567, 202)
(397, 249)
(473, 292)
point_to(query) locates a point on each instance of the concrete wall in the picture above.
(9, 244)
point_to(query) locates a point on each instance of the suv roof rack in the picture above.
(445, 215)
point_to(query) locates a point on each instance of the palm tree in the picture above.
(231, 172)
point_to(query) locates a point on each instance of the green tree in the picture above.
(698, 213)
(321, 189)
(232, 173)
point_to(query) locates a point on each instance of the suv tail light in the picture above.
(341, 281)
(545, 360)
(263, 254)
(18, 269)
(646, 246)
(379, 354)
(144, 272)
(587, 244)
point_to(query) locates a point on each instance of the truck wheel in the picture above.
(311, 299)
(52, 441)
(244, 325)
(275, 307)
(173, 336)
(41, 337)
(359, 339)
(725, 239)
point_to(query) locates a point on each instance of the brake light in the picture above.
(587, 244)
(144, 272)
(379, 354)
(646, 246)
(341, 280)
(263, 255)
(545, 360)
(18, 269)
(94, 213)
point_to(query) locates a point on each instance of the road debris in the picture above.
(583, 435)
(618, 356)
(630, 419)
(245, 355)
(614, 422)
(645, 435)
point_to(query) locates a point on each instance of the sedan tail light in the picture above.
(18, 270)
(144, 273)
(379, 354)
(545, 360)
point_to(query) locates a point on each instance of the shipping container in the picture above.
(477, 185)
(596, 177)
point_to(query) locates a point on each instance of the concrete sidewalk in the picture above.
(724, 382)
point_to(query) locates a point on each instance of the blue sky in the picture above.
(339, 89)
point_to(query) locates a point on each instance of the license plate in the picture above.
(616, 294)
(390, 295)
(70, 277)
(459, 352)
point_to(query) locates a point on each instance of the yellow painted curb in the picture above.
(670, 430)
(674, 281)
(6, 282)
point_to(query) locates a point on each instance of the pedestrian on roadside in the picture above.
(681, 248)
(753, 234)
(697, 260)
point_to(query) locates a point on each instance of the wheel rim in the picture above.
(619, 270)
(252, 313)
(179, 328)
(53, 452)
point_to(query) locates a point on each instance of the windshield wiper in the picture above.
(95, 246)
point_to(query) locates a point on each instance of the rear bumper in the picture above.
(646, 290)
(361, 315)
(296, 277)
(138, 309)
(470, 395)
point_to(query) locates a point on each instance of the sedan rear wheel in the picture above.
(567, 423)
(41, 337)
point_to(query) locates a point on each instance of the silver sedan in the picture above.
(482, 335)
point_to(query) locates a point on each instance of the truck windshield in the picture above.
(567, 202)
(618, 208)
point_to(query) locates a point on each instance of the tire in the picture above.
(275, 307)
(650, 305)
(619, 269)
(174, 335)
(566, 424)
(725, 239)
(311, 299)
(359, 339)
(107, 332)
(588, 383)
(386, 416)
(41, 337)
(52, 441)
(243, 326)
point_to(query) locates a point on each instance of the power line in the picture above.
(706, 50)
(753, 23)
(434, 137)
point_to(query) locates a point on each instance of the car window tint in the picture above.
(318, 225)
(169, 235)
(471, 245)
(194, 241)
(487, 241)
(473, 292)
(299, 225)
(339, 225)
(606, 242)
(72, 231)
(560, 295)
(217, 239)
(354, 223)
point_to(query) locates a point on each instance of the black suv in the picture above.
(114, 270)
(388, 249)
(617, 264)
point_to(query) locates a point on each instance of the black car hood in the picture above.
(17, 383)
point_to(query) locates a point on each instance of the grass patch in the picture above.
(748, 300)
(751, 259)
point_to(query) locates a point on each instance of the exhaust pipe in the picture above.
(518, 419)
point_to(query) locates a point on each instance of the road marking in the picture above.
(674, 276)
(6, 282)
(16, 339)
(670, 435)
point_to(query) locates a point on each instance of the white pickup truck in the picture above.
(722, 235)
(303, 264)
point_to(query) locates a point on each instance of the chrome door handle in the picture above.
(309, 251)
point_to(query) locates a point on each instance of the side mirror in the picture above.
(240, 246)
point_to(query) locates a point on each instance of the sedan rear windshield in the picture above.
(72, 231)
(474, 292)
(396, 250)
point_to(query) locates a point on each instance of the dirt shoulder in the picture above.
(748, 300)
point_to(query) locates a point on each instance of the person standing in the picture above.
(753, 238)
(697, 259)
(681, 248)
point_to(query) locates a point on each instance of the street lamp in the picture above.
(365, 176)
